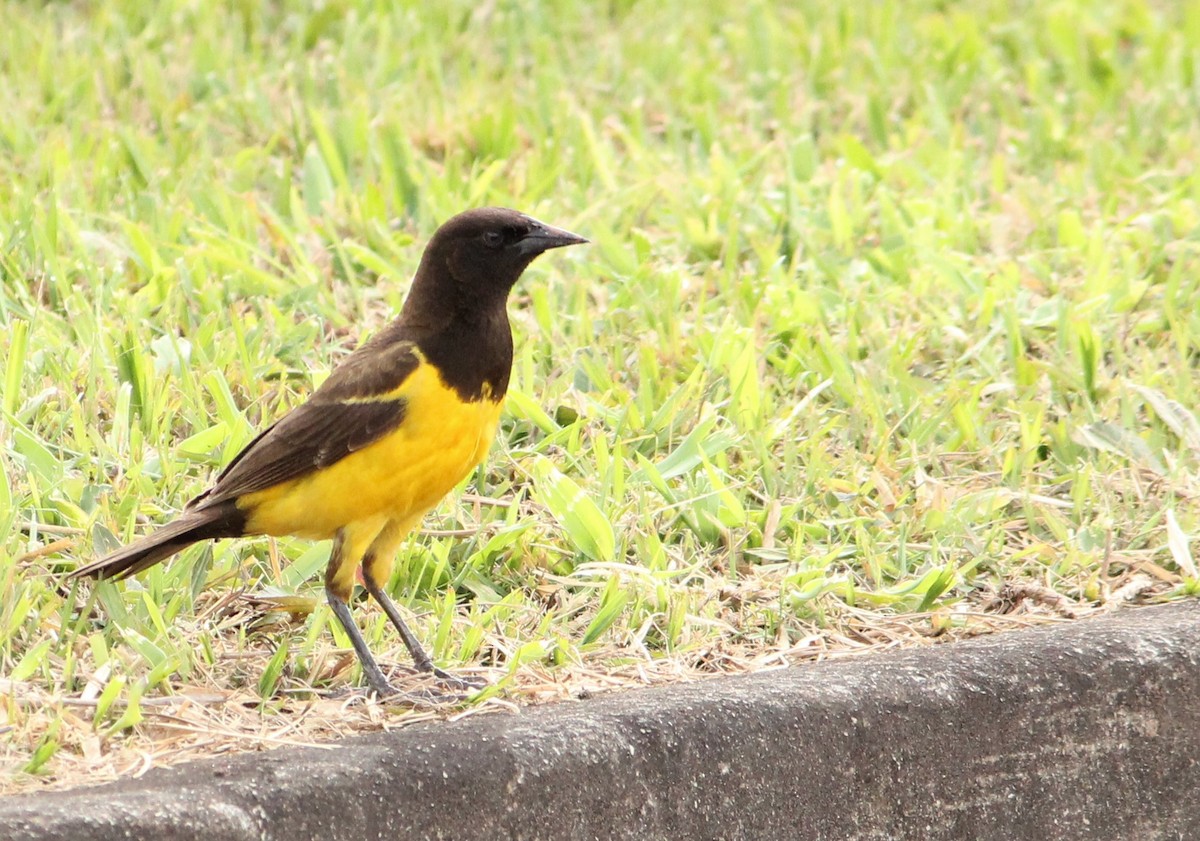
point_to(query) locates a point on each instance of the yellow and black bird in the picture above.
(392, 430)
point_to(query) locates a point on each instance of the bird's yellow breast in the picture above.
(398, 478)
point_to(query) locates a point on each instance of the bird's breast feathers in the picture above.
(399, 476)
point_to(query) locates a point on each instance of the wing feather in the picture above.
(362, 401)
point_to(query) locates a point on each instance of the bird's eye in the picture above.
(493, 239)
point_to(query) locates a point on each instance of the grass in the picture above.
(889, 332)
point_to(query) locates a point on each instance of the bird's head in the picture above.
(477, 256)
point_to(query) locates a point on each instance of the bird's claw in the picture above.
(464, 684)
(420, 698)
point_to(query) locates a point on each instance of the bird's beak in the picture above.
(543, 237)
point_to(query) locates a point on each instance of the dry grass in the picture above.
(201, 719)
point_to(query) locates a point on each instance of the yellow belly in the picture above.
(397, 478)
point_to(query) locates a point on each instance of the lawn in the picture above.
(888, 333)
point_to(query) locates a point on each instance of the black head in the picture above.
(475, 258)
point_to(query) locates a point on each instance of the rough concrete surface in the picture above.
(1082, 731)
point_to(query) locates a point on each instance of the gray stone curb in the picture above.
(1079, 731)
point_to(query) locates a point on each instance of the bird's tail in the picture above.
(206, 523)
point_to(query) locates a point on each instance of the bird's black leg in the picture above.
(370, 667)
(421, 660)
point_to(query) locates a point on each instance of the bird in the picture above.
(385, 437)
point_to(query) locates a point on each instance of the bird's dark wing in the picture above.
(362, 401)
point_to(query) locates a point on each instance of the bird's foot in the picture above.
(423, 698)
(463, 684)
(426, 687)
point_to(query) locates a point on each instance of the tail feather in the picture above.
(208, 523)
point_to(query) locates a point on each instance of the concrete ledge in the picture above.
(1080, 731)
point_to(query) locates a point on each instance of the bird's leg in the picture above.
(421, 660)
(339, 585)
(370, 667)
